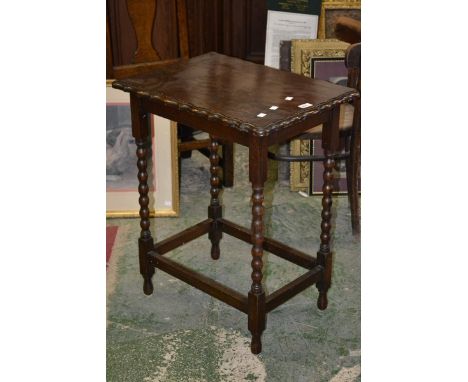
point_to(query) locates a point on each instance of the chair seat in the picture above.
(346, 123)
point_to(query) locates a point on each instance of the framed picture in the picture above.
(322, 59)
(329, 69)
(121, 169)
(304, 51)
(332, 70)
(285, 55)
(331, 10)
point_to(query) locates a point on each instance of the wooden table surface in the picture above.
(236, 91)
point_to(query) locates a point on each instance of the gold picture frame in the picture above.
(302, 54)
(121, 200)
(331, 9)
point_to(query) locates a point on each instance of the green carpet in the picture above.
(181, 334)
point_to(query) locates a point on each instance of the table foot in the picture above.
(148, 287)
(146, 268)
(257, 320)
(322, 301)
(256, 344)
(215, 251)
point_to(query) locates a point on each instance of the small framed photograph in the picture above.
(331, 10)
(121, 169)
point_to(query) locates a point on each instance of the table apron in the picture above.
(286, 134)
(230, 134)
(215, 128)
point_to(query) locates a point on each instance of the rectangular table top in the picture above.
(249, 97)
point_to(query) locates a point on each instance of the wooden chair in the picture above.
(145, 59)
(350, 131)
(348, 29)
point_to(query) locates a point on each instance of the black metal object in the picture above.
(305, 158)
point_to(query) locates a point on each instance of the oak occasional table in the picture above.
(255, 106)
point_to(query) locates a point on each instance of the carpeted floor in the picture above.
(180, 334)
(111, 233)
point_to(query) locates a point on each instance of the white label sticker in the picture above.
(289, 98)
(274, 107)
(304, 105)
(261, 115)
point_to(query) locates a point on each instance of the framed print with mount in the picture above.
(121, 162)
(321, 59)
(331, 10)
(286, 20)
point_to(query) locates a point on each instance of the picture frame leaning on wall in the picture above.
(121, 162)
(331, 10)
(304, 55)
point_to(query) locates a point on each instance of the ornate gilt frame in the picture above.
(302, 51)
(334, 4)
(174, 211)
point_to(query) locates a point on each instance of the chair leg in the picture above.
(354, 197)
(354, 172)
(348, 161)
(352, 185)
(228, 164)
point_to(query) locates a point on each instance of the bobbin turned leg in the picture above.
(324, 256)
(140, 128)
(215, 209)
(256, 296)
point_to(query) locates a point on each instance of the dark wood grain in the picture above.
(125, 71)
(235, 92)
(256, 22)
(163, 32)
(244, 29)
(142, 15)
(182, 27)
(233, 27)
(205, 26)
